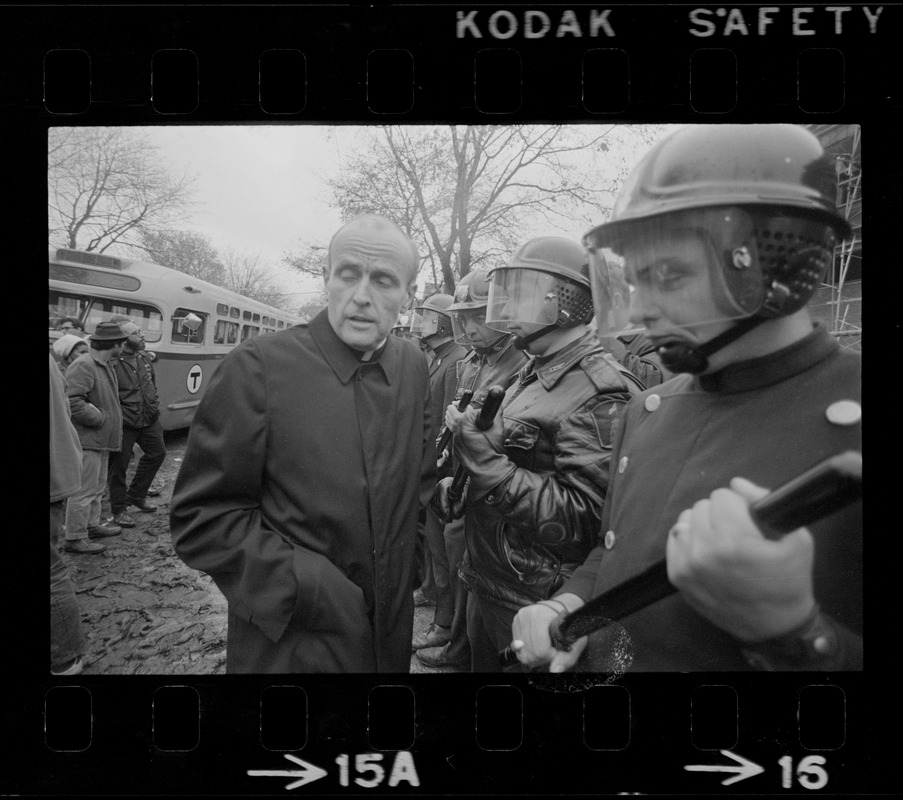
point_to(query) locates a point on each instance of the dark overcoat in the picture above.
(769, 420)
(299, 494)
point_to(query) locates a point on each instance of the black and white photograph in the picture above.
(453, 400)
(191, 556)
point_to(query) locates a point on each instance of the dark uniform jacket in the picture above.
(637, 353)
(768, 420)
(533, 510)
(299, 494)
(137, 389)
(477, 372)
(443, 376)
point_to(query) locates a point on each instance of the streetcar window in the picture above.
(280, 324)
(66, 305)
(246, 315)
(256, 318)
(247, 331)
(93, 310)
(225, 332)
(188, 326)
(234, 312)
(222, 309)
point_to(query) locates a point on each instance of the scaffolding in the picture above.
(841, 296)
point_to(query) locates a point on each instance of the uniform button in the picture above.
(844, 412)
(490, 498)
(653, 402)
(622, 465)
(609, 540)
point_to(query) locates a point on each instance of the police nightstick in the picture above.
(824, 489)
(483, 422)
(447, 434)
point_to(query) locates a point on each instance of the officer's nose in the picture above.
(642, 310)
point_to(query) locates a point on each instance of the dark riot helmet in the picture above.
(472, 291)
(545, 286)
(431, 318)
(762, 197)
(468, 314)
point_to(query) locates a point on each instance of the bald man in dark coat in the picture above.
(308, 462)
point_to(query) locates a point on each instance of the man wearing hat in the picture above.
(94, 401)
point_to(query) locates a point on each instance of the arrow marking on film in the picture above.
(307, 774)
(744, 768)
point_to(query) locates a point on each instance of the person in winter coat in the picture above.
(93, 393)
(67, 348)
(309, 461)
(67, 640)
(140, 425)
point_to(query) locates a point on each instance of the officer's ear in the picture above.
(326, 271)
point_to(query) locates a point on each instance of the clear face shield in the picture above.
(522, 301)
(691, 274)
(424, 322)
(470, 329)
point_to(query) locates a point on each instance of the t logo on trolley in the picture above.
(195, 376)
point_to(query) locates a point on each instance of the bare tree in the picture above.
(105, 185)
(470, 194)
(246, 274)
(192, 253)
(309, 309)
(308, 259)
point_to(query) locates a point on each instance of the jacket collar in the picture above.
(494, 353)
(550, 369)
(757, 373)
(95, 355)
(344, 360)
(443, 348)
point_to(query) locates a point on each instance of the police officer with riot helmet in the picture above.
(724, 232)
(538, 476)
(432, 323)
(492, 361)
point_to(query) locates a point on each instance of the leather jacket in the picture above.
(137, 389)
(533, 511)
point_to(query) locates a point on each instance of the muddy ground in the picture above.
(144, 612)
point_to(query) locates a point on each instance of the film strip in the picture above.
(505, 734)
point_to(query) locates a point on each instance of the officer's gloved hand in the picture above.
(445, 508)
(482, 454)
(476, 441)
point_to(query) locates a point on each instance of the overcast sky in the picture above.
(261, 188)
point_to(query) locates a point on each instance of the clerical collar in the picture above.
(372, 355)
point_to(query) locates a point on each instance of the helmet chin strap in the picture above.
(494, 346)
(523, 342)
(687, 358)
